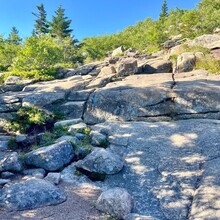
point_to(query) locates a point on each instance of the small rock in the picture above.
(52, 157)
(77, 127)
(9, 162)
(30, 194)
(97, 138)
(53, 178)
(101, 161)
(117, 202)
(38, 173)
(68, 122)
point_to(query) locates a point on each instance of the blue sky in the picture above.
(89, 17)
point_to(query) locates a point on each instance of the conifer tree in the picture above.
(60, 24)
(41, 23)
(13, 37)
(164, 11)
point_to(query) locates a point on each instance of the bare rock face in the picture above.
(117, 202)
(30, 194)
(185, 62)
(51, 158)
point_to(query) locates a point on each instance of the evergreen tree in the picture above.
(60, 25)
(14, 37)
(164, 11)
(41, 25)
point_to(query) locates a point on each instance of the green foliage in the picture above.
(14, 38)
(27, 117)
(41, 23)
(209, 64)
(104, 143)
(60, 25)
(164, 12)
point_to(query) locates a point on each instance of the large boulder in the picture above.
(127, 67)
(101, 161)
(185, 62)
(156, 66)
(118, 51)
(9, 161)
(117, 202)
(30, 194)
(11, 80)
(51, 158)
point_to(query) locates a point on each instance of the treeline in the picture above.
(51, 46)
(149, 34)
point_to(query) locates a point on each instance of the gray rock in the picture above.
(3, 145)
(127, 67)
(53, 178)
(108, 70)
(37, 173)
(20, 138)
(11, 80)
(7, 174)
(118, 51)
(81, 136)
(51, 158)
(101, 161)
(83, 70)
(77, 127)
(134, 216)
(9, 161)
(68, 122)
(4, 181)
(97, 138)
(72, 109)
(69, 138)
(156, 66)
(117, 202)
(42, 99)
(30, 194)
(80, 95)
(185, 62)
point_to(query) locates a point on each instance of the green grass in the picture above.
(209, 64)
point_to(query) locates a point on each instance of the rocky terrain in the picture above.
(154, 144)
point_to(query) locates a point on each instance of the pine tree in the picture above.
(164, 11)
(41, 25)
(60, 25)
(13, 37)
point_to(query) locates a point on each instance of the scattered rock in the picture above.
(30, 194)
(9, 161)
(127, 67)
(7, 174)
(69, 138)
(97, 138)
(117, 202)
(77, 127)
(185, 62)
(51, 158)
(37, 173)
(68, 122)
(101, 161)
(53, 178)
(11, 80)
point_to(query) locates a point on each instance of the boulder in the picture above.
(117, 202)
(69, 138)
(53, 178)
(131, 52)
(7, 175)
(11, 80)
(101, 161)
(30, 194)
(134, 216)
(170, 43)
(185, 62)
(72, 109)
(82, 95)
(83, 70)
(97, 138)
(156, 66)
(9, 161)
(216, 54)
(127, 67)
(51, 158)
(108, 70)
(118, 51)
(3, 145)
(77, 127)
(3, 182)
